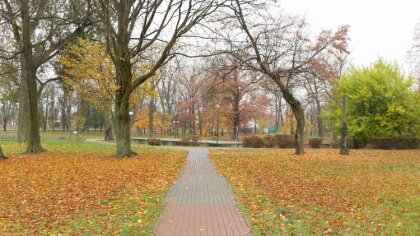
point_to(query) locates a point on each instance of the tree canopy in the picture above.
(381, 102)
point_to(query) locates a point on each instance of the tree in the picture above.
(64, 101)
(159, 26)
(381, 102)
(9, 90)
(320, 81)
(143, 120)
(280, 49)
(2, 156)
(414, 54)
(39, 30)
(88, 70)
(276, 95)
(344, 145)
(234, 84)
(47, 105)
(78, 122)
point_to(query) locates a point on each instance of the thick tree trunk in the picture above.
(23, 113)
(300, 127)
(29, 69)
(344, 148)
(122, 129)
(122, 116)
(34, 138)
(2, 157)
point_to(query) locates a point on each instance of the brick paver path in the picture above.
(201, 202)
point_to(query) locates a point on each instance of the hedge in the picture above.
(285, 141)
(253, 142)
(315, 142)
(337, 143)
(269, 141)
(191, 140)
(394, 143)
(154, 141)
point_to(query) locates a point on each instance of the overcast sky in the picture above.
(378, 28)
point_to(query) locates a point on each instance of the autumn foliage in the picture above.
(84, 193)
(322, 192)
(89, 71)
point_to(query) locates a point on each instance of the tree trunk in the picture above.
(23, 113)
(29, 73)
(320, 120)
(46, 114)
(122, 116)
(68, 114)
(279, 118)
(344, 147)
(2, 157)
(34, 138)
(150, 130)
(297, 110)
(300, 127)
(122, 129)
(236, 118)
(5, 115)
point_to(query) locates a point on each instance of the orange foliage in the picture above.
(44, 192)
(142, 120)
(325, 191)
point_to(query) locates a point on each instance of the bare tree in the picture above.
(235, 83)
(414, 55)
(276, 94)
(280, 49)
(134, 29)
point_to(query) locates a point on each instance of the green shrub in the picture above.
(285, 141)
(154, 142)
(253, 142)
(315, 142)
(394, 143)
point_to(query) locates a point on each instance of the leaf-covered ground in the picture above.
(79, 188)
(321, 192)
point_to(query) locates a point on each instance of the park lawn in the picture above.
(80, 188)
(368, 192)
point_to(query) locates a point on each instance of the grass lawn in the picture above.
(79, 188)
(367, 193)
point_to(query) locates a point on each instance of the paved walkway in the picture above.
(201, 202)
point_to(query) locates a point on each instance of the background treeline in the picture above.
(192, 67)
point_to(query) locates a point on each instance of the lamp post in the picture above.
(217, 125)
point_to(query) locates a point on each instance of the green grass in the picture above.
(52, 143)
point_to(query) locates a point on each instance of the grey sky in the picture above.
(378, 28)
